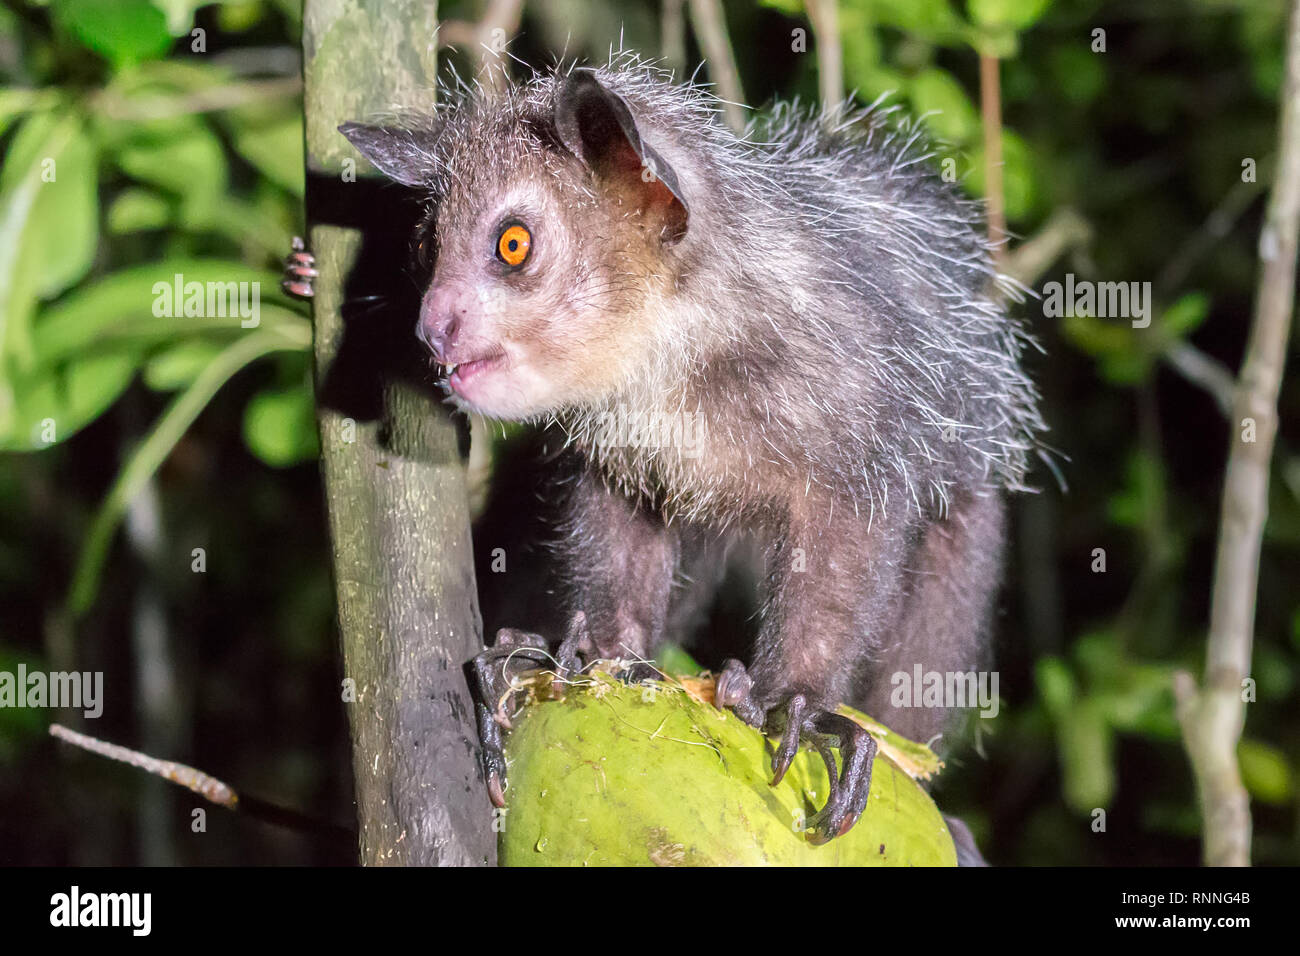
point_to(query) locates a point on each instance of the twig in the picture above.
(991, 110)
(486, 40)
(1213, 715)
(1066, 229)
(1198, 368)
(205, 785)
(672, 35)
(1217, 225)
(711, 30)
(824, 15)
(1204, 371)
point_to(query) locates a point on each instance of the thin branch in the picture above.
(1213, 715)
(825, 18)
(991, 110)
(1217, 225)
(672, 35)
(1203, 371)
(205, 785)
(711, 30)
(487, 39)
(1066, 229)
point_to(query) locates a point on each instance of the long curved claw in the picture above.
(494, 754)
(495, 669)
(848, 794)
(494, 673)
(796, 722)
(792, 713)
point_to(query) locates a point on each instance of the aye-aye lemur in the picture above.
(812, 306)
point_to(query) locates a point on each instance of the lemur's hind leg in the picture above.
(951, 587)
(817, 621)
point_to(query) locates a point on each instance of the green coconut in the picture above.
(652, 774)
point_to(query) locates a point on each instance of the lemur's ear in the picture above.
(597, 126)
(403, 155)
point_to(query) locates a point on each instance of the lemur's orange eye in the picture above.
(513, 245)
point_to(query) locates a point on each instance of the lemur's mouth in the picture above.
(459, 374)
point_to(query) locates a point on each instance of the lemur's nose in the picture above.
(440, 316)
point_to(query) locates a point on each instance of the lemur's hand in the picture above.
(494, 672)
(299, 270)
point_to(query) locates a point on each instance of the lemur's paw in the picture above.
(299, 271)
(497, 674)
(794, 721)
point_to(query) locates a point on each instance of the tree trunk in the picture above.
(391, 458)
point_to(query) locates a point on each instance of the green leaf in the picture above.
(1079, 72)
(1186, 315)
(1056, 685)
(85, 350)
(180, 13)
(1265, 772)
(1019, 178)
(123, 31)
(272, 144)
(21, 727)
(179, 366)
(136, 210)
(862, 60)
(1132, 505)
(791, 8)
(48, 237)
(1087, 757)
(52, 405)
(674, 660)
(280, 426)
(52, 155)
(181, 155)
(1122, 357)
(239, 16)
(1012, 14)
(933, 20)
(16, 103)
(121, 306)
(153, 451)
(951, 117)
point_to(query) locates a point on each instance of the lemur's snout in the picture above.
(441, 317)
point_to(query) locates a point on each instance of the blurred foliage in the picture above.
(145, 140)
